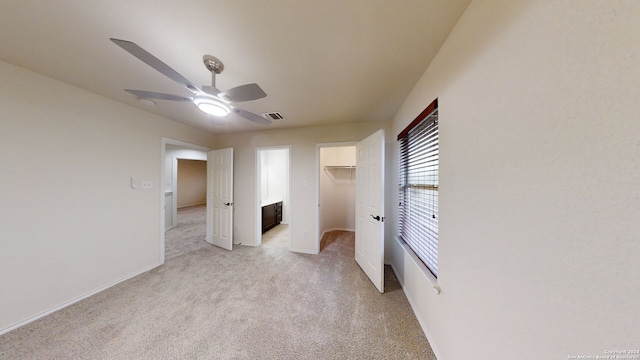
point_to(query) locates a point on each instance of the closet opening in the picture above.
(336, 195)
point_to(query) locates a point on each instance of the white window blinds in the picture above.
(418, 172)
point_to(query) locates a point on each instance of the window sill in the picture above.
(433, 281)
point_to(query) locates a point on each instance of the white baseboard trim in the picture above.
(242, 244)
(335, 229)
(73, 301)
(303, 251)
(186, 206)
(398, 244)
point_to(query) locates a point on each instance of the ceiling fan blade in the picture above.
(155, 63)
(210, 90)
(155, 95)
(252, 117)
(243, 93)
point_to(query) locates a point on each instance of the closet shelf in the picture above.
(332, 170)
(328, 167)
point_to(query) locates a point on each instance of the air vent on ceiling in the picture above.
(273, 116)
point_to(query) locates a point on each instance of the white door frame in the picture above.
(318, 147)
(164, 141)
(258, 192)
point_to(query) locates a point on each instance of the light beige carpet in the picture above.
(277, 236)
(250, 303)
(189, 234)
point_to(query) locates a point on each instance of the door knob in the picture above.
(228, 204)
(377, 217)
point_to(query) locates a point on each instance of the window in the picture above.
(418, 172)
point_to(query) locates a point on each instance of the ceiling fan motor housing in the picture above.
(213, 64)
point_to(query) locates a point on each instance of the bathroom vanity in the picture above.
(271, 214)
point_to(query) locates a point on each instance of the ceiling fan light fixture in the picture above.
(212, 106)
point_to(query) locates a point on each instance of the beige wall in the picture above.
(174, 152)
(71, 223)
(540, 157)
(303, 167)
(192, 183)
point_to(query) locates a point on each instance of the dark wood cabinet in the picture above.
(271, 215)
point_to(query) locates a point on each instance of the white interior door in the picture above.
(370, 207)
(220, 198)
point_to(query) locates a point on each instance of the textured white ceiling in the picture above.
(319, 62)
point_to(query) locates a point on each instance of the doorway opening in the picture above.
(336, 196)
(183, 185)
(272, 189)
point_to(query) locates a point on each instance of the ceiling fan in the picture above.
(208, 99)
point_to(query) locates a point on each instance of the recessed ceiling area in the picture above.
(319, 62)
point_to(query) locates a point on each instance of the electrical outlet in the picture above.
(146, 184)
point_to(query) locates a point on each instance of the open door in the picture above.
(220, 198)
(370, 207)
